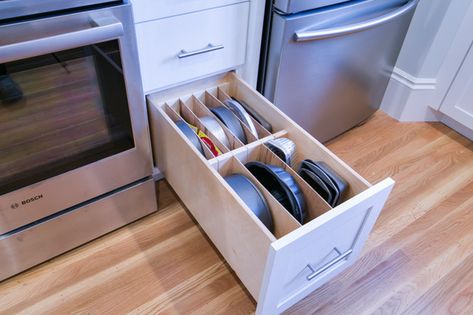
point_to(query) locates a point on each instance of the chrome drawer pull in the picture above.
(327, 266)
(209, 48)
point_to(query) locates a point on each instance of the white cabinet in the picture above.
(218, 35)
(458, 104)
(188, 46)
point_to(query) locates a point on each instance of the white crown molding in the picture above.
(412, 82)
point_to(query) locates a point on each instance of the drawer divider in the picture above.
(189, 116)
(262, 132)
(315, 204)
(212, 101)
(283, 221)
(174, 116)
(199, 109)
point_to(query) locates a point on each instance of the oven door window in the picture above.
(61, 111)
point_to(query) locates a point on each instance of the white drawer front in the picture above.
(161, 42)
(147, 10)
(302, 261)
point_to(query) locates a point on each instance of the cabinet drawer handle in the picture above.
(328, 265)
(209, 48)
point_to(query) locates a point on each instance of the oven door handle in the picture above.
(102, 29)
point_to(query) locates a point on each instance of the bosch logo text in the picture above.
(30, 200)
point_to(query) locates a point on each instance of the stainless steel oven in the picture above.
(73, 127)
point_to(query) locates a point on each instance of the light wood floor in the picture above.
(418, 260)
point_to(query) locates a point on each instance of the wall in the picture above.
(433, 50)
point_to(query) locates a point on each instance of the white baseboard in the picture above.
(455, 125)
(407, 97)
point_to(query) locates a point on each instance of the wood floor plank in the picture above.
(432, 255)
(132, 265)
(452, 294)
(421, 261)
(411, 234)
(86, 263)
(355, 143)
(417, 260)
(430, 180)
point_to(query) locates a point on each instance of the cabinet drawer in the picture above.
(176, 49)
(278, 268)
(147, 10)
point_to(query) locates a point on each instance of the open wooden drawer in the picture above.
(278, 268)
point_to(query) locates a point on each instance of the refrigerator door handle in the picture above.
(352, 28)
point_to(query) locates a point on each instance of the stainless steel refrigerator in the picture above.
(327, 63)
